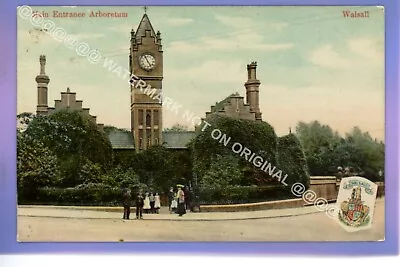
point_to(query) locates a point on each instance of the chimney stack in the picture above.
(42, 86)
(252, 90)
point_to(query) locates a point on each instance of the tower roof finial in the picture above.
(144, 29)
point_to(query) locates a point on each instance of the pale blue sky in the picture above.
(313, 63)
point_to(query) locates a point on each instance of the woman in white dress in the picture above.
(157, 204)
(146, 205)
(174, 204)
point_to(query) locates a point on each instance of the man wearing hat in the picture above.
(181, 201)
(139, 206)
(127, 203)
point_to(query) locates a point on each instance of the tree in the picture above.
(37, 166)
(121, 177)
(177, 128)
(90, 172)
(75, 139)
(154, 168)
(319, 142)
(369, 158)
(292, 160)
(224, 171)
(23, 120)
(259, 137)
(326, 150)
(109, 128)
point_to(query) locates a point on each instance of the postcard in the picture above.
(178, 123)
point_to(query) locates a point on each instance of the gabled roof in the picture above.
(219, 106)
(144, 26)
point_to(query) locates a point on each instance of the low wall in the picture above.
(324, 187)
(381, 190)
(282, 204)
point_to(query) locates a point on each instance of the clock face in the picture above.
(147, 62)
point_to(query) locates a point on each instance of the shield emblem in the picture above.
(355, 203)
(355, 212)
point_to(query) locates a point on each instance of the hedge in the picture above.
(242, 194)
(102, 195)
(259, 137)
(83, 195)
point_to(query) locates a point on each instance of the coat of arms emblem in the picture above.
(355, 203)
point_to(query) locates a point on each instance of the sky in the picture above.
(313, 63)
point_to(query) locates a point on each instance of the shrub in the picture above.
(241, 194)
(259, 137)
(292, 161)
(87, 194)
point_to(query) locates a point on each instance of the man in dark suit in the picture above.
(126, 201)
(187, 198)
(139, 206)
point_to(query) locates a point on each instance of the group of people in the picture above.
(179, 202)
(151, 204)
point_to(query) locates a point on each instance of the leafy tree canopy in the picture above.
(68, 133)
(292, 160)
(177, 128)
(326, 150)
(259, 137)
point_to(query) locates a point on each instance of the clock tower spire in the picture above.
(146, 63)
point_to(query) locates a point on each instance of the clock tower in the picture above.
(146, 63)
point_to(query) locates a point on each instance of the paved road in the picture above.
(301, 224)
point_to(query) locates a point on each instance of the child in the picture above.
(174, 204)
(146, 205)
(157, 204)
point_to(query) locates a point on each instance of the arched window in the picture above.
(156, 141)
(148, 142)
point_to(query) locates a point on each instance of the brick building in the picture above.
(146, 63)
(68, 99)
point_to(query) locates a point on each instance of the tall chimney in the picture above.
(42, 85)
(252, 90)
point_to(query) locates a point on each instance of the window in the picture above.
(140, 143)
(148, 118)
(140, 116)
(155, 117)
(156, 141)
(148, 142)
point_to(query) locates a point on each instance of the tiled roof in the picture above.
(178, 140)
(121, 140)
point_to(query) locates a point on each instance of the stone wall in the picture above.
(327, 187)
(281, 204)
(323, 186)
